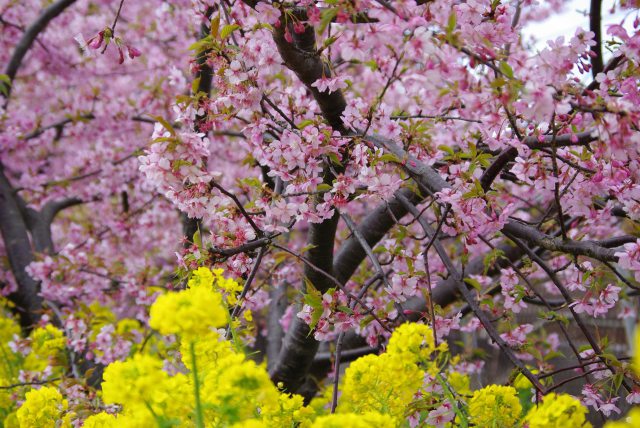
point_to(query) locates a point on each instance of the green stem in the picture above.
(196, 387)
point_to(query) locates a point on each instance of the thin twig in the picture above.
(336, 372)
(115, 21)
(339, 285)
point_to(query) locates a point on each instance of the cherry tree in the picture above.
(354, 164)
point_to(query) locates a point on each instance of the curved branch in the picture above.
(14, 230)
(577, 248)
(27, 40)
(302, 58)
(372, 228)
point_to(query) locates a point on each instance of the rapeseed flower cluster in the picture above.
(632, 420)
(192, 375)
(215, 279)
(47, 349)
(414, 341)
(191, 312)
(558, 411)
(218, 386)
(495, 406)
(42, 407)
(353, 420)
(385, 383)
(40, 356)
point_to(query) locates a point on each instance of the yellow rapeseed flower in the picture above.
(203, 277)
(41, 407)
(190, 313)
(47, 348)
(495, 406)
(380, 383)
(353, 420)
(413, 340)
(558, 411)
(101, 420)
(636, 352)
(222, 388)
(632, 420)
(288, 412)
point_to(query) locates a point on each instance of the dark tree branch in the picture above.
(277, 308)
(303, 59)
(29, 36)
(347, 354)
(204, 75)
(500, 162)
(595, 25)
(577, 248)
(429, 179)
(336, 372)
(372, 229)
(470, 298)
(15, 234)
(51, 209)
(299, 346)
(247, 284)
(567, 297)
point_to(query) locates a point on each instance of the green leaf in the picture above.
(197, 239)
(215, 26)
(474, 283)
(324, 187)
(446, 149)
(345, 309)
(5, 84)
(335, 159)
(506, 69)
(313, 298)
(202, 44)
(227, 30)
(164, 123)
(327, 16)
(451, 23)
(304, 123)
(194, 85)
(307, 248)
(491, 258)
(390, 157)
(617, 381)
(329, 41)
(553, 354)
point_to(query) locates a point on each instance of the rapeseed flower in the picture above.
(42, 407)
(189, 313)
(380, 383)
(495, 406)
(413, 341)
(558, 411)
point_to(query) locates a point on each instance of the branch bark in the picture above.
(595, 25)
(18, 247)
(27, 39)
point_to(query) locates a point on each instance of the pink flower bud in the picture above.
(96, 41)
(133, 52)
(120, 55)
(298, 27)
(287, 35)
